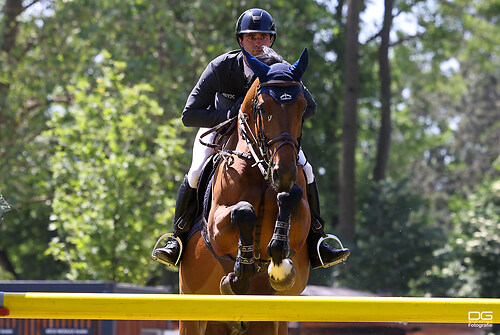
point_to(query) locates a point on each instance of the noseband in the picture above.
(260, 146)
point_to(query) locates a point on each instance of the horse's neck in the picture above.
(232, 141)
(246, 135)
(247, 110)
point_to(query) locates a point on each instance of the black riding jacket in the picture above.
(218, 88)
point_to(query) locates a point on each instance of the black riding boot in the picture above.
(326, 256)
(185, 211)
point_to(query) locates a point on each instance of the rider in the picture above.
(216, 98)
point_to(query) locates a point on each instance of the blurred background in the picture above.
(405, 143)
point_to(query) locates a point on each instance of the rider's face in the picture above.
(253, 42)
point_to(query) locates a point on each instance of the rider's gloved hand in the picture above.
(235, 109)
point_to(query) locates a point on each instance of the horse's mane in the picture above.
(269, 56)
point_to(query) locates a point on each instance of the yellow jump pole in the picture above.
(115, 306)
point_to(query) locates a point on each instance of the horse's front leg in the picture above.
(238, 282)
(281, 271)
(192, 327)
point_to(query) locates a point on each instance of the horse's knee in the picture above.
(287, 201)
(243, 216)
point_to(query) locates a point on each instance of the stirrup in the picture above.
(321, 239)
(163, 237)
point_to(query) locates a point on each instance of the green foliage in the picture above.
(27, 80)
(447, 118)
(468, 265)
(26, 245)
(113, 164)
(395, 241)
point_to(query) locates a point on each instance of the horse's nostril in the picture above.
(283, 181)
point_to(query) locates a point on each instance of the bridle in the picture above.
(258, 144)
(260, 147)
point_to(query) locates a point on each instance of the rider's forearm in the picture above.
(206, 118)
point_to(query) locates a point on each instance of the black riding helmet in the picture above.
(255, 20)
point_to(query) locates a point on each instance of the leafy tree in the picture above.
(450, 98)
(445, 122)
(395, 241)
(347, 168)
(25, 88)
(113, 164)
(325, 79)
(468, 265)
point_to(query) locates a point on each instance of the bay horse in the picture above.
(253, 239)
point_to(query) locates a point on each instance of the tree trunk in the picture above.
(6, 264)
(349, 126)
(384, 139)
(11, 10)
(9, 25)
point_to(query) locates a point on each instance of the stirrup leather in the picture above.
(163, 237)
(321, 239)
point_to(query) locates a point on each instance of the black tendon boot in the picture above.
(324, 256)
(185, 211)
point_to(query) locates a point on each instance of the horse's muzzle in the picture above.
(284, 162)
(283, 178)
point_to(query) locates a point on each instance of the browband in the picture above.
(280, 83)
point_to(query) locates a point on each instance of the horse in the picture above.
(257, 218)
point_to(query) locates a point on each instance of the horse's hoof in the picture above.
(225, 286)
(282, 277)
(238, 327)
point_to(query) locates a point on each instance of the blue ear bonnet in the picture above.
(279, 72)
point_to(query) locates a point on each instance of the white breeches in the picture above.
(308, 169)
(201, 154)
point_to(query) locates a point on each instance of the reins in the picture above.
(219, 148)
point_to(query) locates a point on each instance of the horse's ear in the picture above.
(300, 66)
(260, 69)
